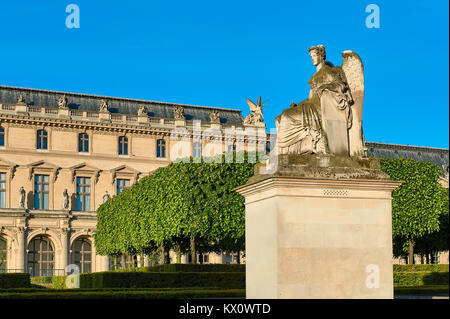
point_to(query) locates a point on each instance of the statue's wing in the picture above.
(354, 72)
(252, 105)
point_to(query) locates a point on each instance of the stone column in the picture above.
(102, 263)
(21, 234)
(311, 235)
(64, 249)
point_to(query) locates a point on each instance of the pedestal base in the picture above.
(318, 237)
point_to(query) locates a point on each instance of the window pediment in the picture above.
(42, 167)
(9, 167)
(126, 172)
(85, 169)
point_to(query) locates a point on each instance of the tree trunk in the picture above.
(178, 248)
(162, 257)
(193, 251)
(200, 255)
(238, 257)
(141, 261)
(411, 253)
(153, 261)
(167, 256)
(427, 258)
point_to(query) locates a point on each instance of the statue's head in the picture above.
(317, 54)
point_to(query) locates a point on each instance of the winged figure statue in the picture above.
(329, 121)
(256, 115)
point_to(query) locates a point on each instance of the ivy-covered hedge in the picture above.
(189, 268)
(414, 268)
(223, 280)
(56, 282)
(420, 278)
(18, 280)
(123, 294)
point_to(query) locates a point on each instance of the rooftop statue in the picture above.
(178, 113)
(62, 102)
(214, 116)
(329, 120)
(103, 106)
(256, 115)
(142, 110)
(21, 99)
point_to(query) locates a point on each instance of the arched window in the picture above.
(2, 136)
(41, 257)
(2, 255)
(160, 148)
(123, 145)
(197, 150)
(82, 254)
(41, 140)
(83, 142)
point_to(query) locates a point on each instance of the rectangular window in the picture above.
(2, 136)
(160, 148)
(2, 190)
(41, 191)
(122, 184)
(41, 140)
(123, 145)
(231, 148)
(83, 142)
(83, 193)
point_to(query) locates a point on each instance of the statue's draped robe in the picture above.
(320, 123)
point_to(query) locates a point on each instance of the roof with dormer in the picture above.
(89, 102)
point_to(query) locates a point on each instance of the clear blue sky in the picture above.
(219, 53)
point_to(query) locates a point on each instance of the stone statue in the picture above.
(142, 110)
(103, 106)
(62, 102)
(21, 100)
(178, 113)
(214, 117)
(22, 197)
(106, 197)
(256, 115)
(66, 199)
(329, 120)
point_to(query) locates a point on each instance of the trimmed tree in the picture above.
(417, 204)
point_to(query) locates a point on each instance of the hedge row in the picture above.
(124, 294)
(56, 282)
(422, 290)
(17, 280)
(223, 280)
(189, 268)
(420, 278)
(414, 268)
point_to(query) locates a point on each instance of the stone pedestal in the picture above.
(64, 112)
(319, 228)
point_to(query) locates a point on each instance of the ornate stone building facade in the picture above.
(63, 154)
